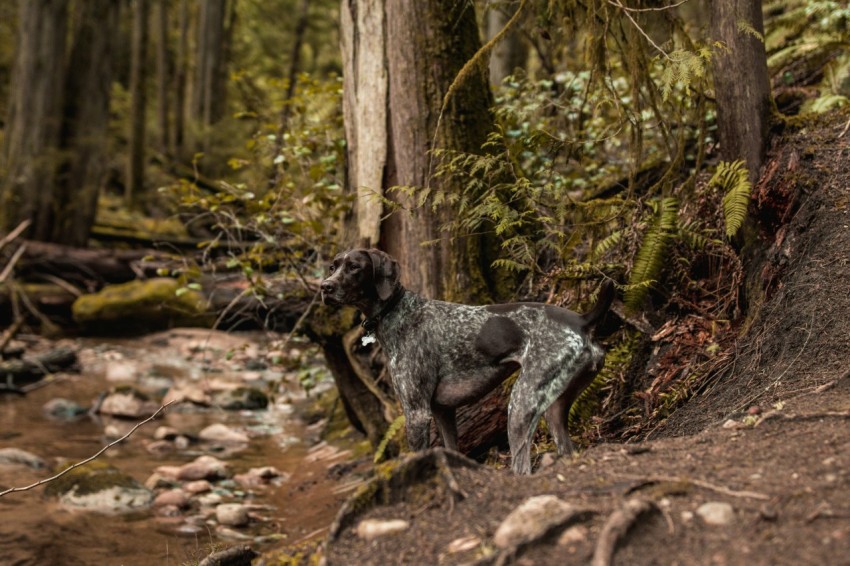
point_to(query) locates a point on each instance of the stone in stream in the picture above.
(16, 456)
(63, 409)
(97, 486)
(197, 486)
(224, 434)
(256, 477)
(241, 399)
(127, 402)
(175, 497)
(232, 515)
(203, 468)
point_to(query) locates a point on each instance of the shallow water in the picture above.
(36, 530)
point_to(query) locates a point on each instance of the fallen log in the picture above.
(16, 373)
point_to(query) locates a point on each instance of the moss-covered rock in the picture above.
(142, 305)
(97, 486)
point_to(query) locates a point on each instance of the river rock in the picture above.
(369, 529)
(197, 486)
(256, 477)
(716, 513)
(224, 434)
(16, 456)
(241, 399)
(63, 409)
(232, 515)
(161, 481)
(204, 468)
(533, 518)
(165, 433)
(122, 370)
(175, 497)
(128, 403)
(187, 393)
(100, 487)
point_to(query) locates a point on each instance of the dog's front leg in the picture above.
(417, 425)
(447, 425)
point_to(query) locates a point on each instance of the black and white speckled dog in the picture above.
(444, 355)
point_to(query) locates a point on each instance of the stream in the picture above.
(298, 505)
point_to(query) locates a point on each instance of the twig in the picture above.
(14, 233)
(11, 265)
(89, 459)
(704, 485)
(844, 131)
(659, 9)
(617, 525)
(618, 4)
(10, 333)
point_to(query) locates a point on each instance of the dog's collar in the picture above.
(371, 323)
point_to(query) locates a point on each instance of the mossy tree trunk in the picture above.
(741, 82)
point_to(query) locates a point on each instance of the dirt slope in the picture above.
(770, 437)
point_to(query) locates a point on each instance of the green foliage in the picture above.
(683, 67)
(395, 427)
(652, 252)
(733, 180)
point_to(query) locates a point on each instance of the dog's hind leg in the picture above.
(446, 424)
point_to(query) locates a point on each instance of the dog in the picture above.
(445, 355)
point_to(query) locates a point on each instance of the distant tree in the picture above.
(741, 81)
(511, 53)
(180, 77)
(163, 74)
(83, 140)
(134, 188)
(31, 135)
(209, 95)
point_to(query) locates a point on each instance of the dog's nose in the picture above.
(328, 287)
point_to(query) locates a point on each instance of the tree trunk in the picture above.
(741, 83)
(208, 98)
(512, 52)
(88, 87)
(138, 75)
(32, 129)
(179, 87)
(162, 71)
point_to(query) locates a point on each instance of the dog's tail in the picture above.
(606, 297)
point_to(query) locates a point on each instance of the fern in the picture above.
(681, 67)
(652, 253)
(392, 431)
(733, 178)
(607, 244)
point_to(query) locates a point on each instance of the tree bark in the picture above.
(741, 83)
(208, 99)
(31, 135)
(512, 52)
(179, 85)
(138, 78)
(163, 76)
(88, 87)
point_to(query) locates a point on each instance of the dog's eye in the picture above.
(331, 269)
(354, 267)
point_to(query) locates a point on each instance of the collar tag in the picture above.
(367, 339)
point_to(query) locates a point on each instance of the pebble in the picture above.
(165, 433)
(232, 515)
(175, 497)
(574, 535)
(198, 486)
(16, 456)
(259, 476)
(210, 499)
(716, 513)
(203, 468)
(127, 404)
(532, 519)
(160, 481)
(369, 529)
(62, 409)
(224, 434)
(121, 371)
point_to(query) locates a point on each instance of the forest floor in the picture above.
(755, 469)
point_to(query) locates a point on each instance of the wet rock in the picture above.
(187, 393)
(716, 513)
(100, 487)
(160, 447)
(210, 499)
(160, 481)
(232, 515)
(168, 510)
(532, 519)
(129, 403)
(241, 399)
(369, 529)
(63, 409)
(224, 434)
(256, 477)
(197, 486)
(175, 497)
(16, 456)
(165, 433)
(123, 370)
(182, 442)
(203, 468)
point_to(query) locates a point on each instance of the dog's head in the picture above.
(361, 278)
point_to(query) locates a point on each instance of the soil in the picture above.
(769, 436)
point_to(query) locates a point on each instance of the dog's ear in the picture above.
(386, 273)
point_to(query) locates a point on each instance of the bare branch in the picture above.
(89, 459)
(626, 11)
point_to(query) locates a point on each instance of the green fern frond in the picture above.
(747, 28)
(681, 67)
(510, 265)
(652, 253)
(392, 431)
(606, 245)
(733, 178)
(696, 237)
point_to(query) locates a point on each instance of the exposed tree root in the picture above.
(616, 527)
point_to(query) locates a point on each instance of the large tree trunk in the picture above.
(163, 75)
(741, 82)
(31, 135)
(208, 97)
(86, 118)
(180, 74)
(138, 75)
